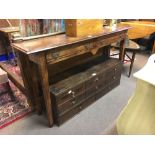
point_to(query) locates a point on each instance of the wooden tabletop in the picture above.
(51, 42)
(139, 29)
(9, 29)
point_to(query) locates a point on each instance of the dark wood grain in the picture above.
(72, 92)
(54, 55)
(52, 42)
(43, 71)
(26, 72)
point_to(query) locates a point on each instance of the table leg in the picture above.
(42, 66)
(37, 94)
(26, 71)
(132, 61)
(122, 50)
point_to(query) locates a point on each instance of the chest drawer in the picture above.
(101, 92)
(69, 94)
(65, 106)
(75, 110)
(95, 76)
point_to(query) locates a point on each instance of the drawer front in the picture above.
(74, 111)
(70, 94)
(101, 92)
(68, 115)
(113, 73)
(90, 92)
(95, 79)
(87, 102)
(63, 54)
(62, 108)
(55, 56)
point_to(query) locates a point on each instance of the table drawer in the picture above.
(55, 56)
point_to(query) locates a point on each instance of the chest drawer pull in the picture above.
(73, 94)
(73, 102)
(80, 107)
(94, 74)
(70, 91)
(96, 79)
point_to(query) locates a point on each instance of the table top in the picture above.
(51, 42)
(130, 45)
(139, 29)
(9, 29)
(146, 23)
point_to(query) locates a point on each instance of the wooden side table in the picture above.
(5, 81)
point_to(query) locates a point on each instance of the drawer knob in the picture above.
(114, 77)
(73, 94)
(73, 102)
(80, 107)
(96, 79)
(94, 74)
(70, 91)
(115, 69)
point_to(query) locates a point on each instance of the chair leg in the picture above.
(132, 61)
(10, 91)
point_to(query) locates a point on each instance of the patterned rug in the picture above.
(12, 111)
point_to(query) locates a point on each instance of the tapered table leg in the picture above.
(122, 50)
(42, 66)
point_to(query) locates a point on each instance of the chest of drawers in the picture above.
(73, 94)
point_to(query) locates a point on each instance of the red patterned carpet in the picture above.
(12, 111)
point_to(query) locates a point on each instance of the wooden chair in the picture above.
(130, 46)
(5, 81)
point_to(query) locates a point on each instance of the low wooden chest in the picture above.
(73, 94)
